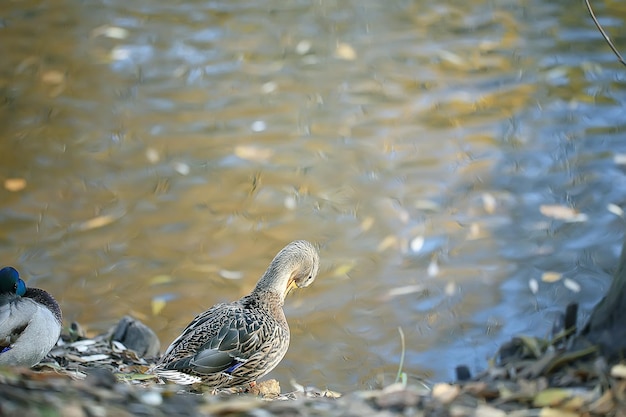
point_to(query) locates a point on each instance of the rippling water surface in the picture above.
(155, 156)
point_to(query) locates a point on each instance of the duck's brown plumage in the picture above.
(237, 343)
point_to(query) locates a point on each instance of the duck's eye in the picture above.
(19, 288)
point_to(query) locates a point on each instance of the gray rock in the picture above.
(136, 336)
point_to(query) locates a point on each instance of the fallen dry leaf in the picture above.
(15, 184)
(345, 51)
(445, 393)
(253, 153)
(562, 213)
(551, 276)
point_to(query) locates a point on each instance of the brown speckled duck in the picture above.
(236, 343)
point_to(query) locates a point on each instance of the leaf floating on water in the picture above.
(290, 202)
(433, 268)
(417, 243)
(303, 47)
(562, 213)
(98, 222)
(556, 73)
(620, 159)
(227, 274)
(387, 243)
(551, 276)
(152, 155)
(345, 51)
(206, 268)
(157, 304)
(53, 77)
(343, 268)
(489, 203)
(474, 231)
(269, 87)
(113, 32)
(14, 184)
(427, 205)
(451, 58)
(120, 53)
(258, 126)
(253, 153)
(182, 168)
(405, 290)
(571, 285)
(615, 209)
(160, 279)
(367, 223)
(450, 289)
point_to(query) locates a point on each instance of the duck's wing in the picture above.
(45, 299)
(27, 333)
(5, 311)
(218, 341)
(11, 324)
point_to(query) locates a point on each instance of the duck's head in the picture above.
(306, 266)
(295, 266)
(10, 282)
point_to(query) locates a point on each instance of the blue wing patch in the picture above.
(233, 367)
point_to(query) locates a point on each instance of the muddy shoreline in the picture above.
(100, 376)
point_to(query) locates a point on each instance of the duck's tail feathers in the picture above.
(178, 377)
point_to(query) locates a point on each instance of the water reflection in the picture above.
(167, 151)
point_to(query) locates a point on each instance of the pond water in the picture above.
(459, 163)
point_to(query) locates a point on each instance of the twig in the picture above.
(400, 373)
(606, 37)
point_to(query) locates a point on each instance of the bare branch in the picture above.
(606, 37)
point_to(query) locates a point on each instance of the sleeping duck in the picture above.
(30, 321)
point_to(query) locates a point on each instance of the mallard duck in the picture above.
(30, 321)
(233, 344)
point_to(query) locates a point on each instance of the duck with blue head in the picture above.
(30, 321)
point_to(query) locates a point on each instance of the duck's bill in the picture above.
(291, 285)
